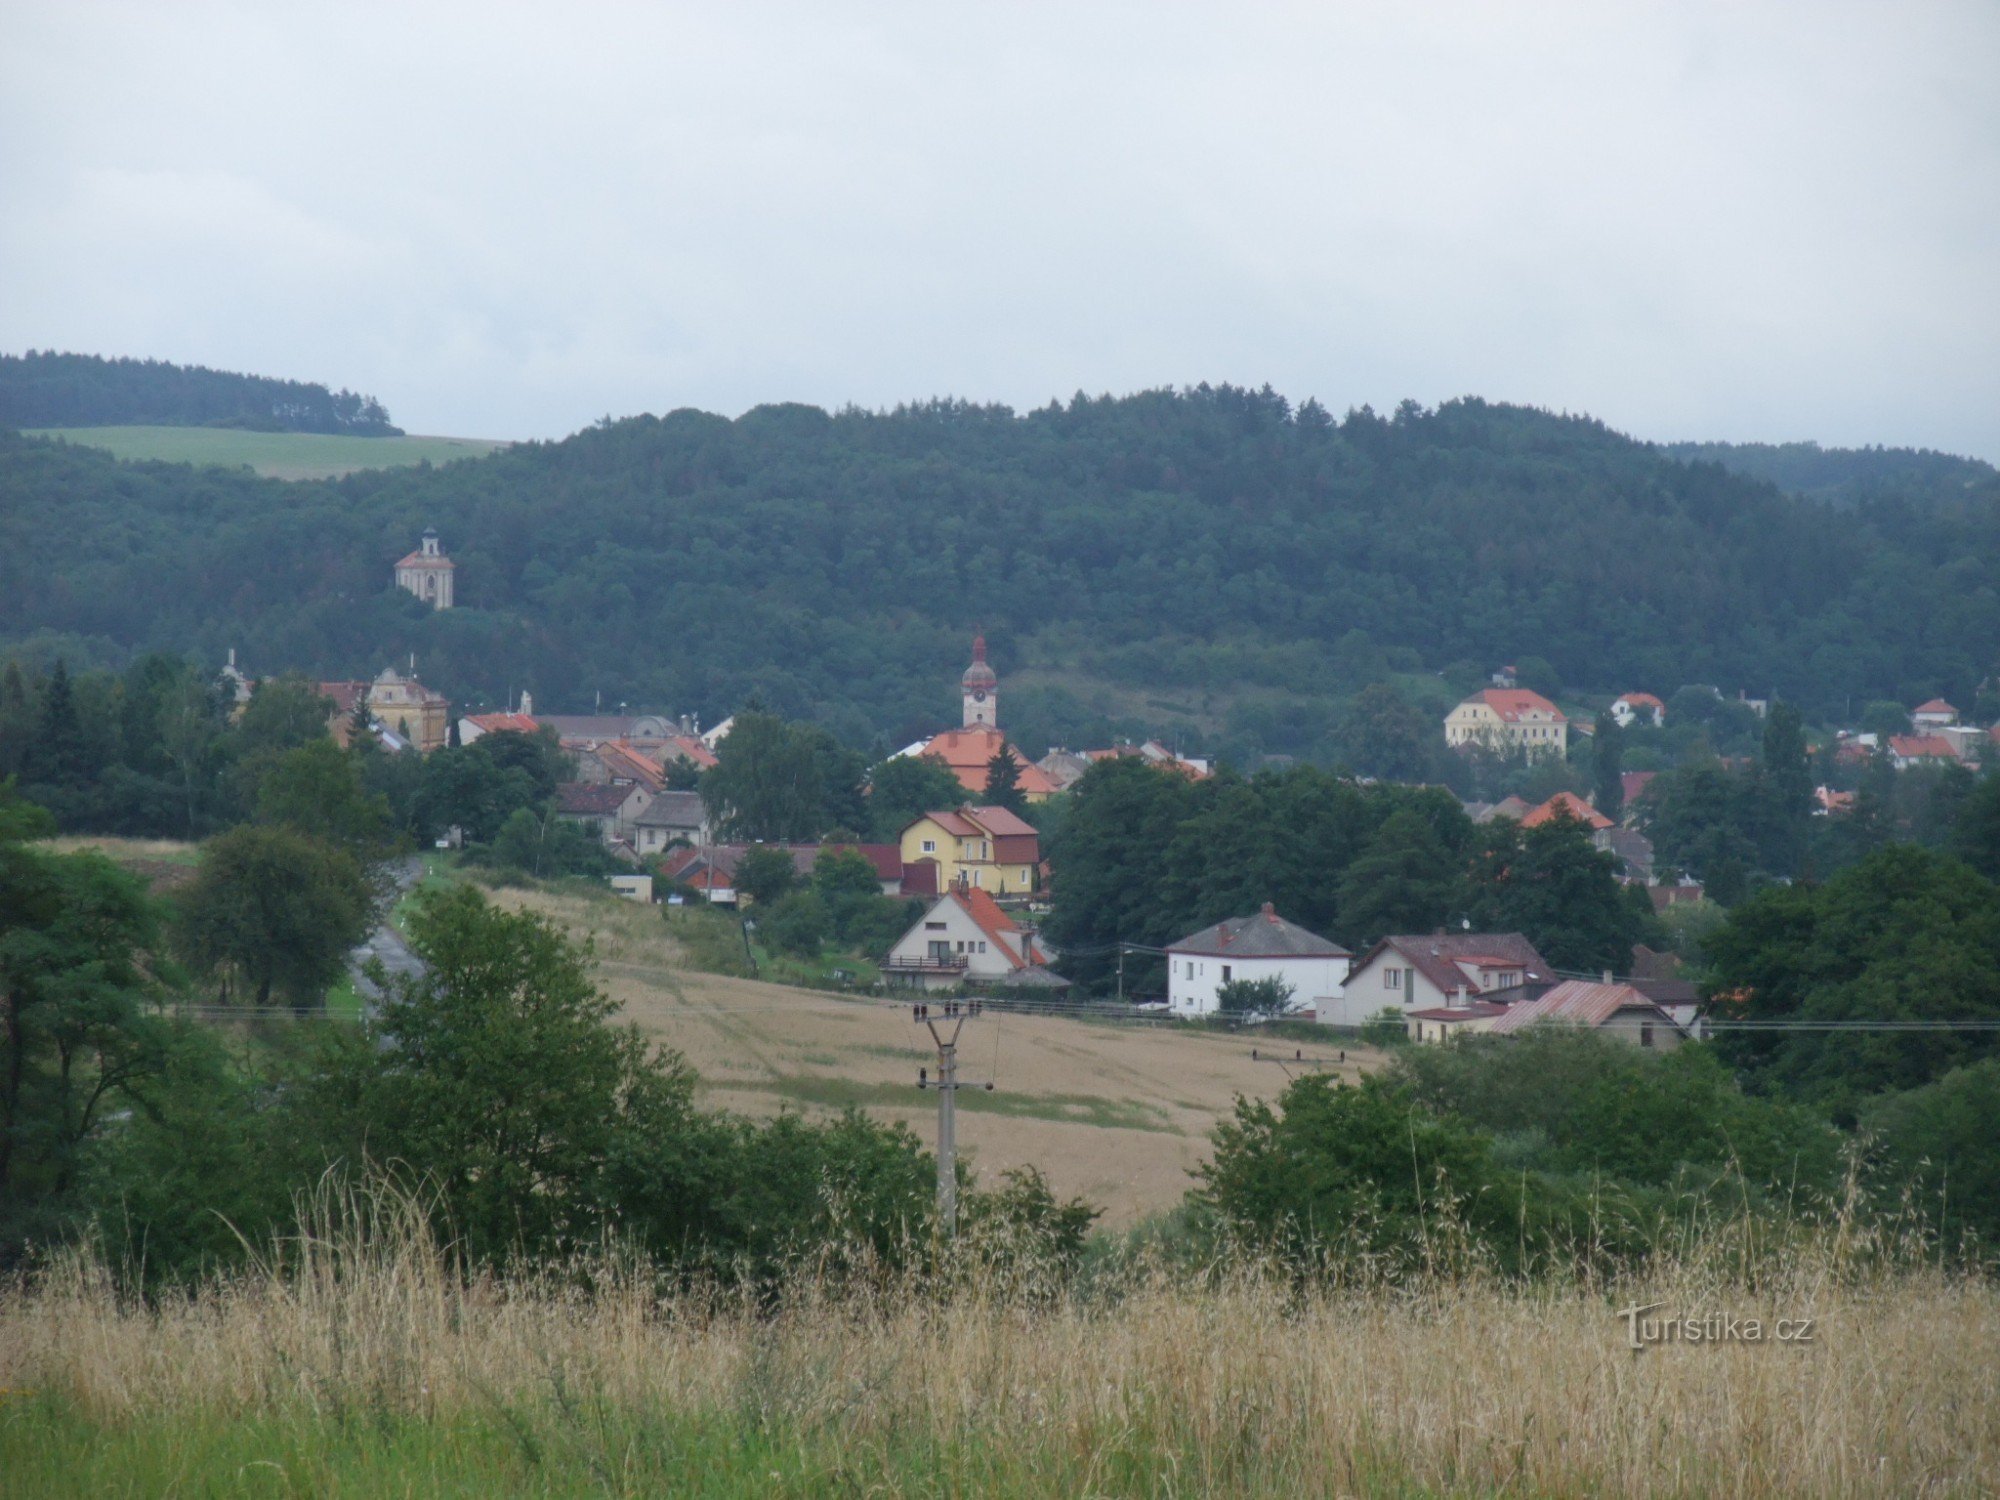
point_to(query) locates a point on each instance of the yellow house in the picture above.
(988, 848)
(1508, 719)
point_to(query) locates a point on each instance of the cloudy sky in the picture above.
(1746, 221)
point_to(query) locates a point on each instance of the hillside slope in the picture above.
(275, 455)
(1216, 546)
(47, 389)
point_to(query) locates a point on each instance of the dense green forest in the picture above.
(1844, 475)
(47, 389)
(1214, 563)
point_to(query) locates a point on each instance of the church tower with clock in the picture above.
(981, 690)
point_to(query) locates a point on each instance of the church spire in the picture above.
(979, 688)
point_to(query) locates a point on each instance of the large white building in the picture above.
(427, 573)
(1262, 946)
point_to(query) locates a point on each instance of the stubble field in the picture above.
(1116, 1114)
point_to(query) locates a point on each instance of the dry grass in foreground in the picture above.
(365, 1365)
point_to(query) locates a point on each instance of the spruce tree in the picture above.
(1003, 781)
(1607, 755)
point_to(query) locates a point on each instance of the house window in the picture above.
(982, 947)
(1225, 973)
(1190, 972)
(1645, 1033)
(933, 927)
(930, 846)
(1392, 979)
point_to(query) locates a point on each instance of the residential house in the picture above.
(1615, 1009)
(989, 848)
(1260, 946)
(711, 868)
(670, 818)
(607, 808)
(964, 937)
(616, 761)
(1460, 1016)
(477, 726)
(1509, 806)
(1907, 750)
(1428, 971)
(1634, 784)
(1681, 893)
(1566, 805)
(1632, 849)
(1936, 714)
(1632, 708)
(1678, 997)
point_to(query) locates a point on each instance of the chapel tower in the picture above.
(981, 690)
(427, 573)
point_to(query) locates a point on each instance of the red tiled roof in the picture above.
(1438, 956)
(418, 560)
(344, 694)
(968, 751)
(1635, 783)
(1935, 706)
(620, 759)
(689, 748)
(995, 923)
(503, 723)
(1921, 746)
(1638, 700)
(1515, 703)
(1566, 805)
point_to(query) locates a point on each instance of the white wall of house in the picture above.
(947, 929)
(1391, 982)
(1194, 978)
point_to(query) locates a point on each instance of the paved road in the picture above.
(386, 944)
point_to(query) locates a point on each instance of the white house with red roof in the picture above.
(1631, 707)
(1936, 714)
(1415, 972)
(964, 937)
(427, 573)
(1246, 949)
(1509, 720)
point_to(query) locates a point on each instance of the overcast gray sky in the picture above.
(1745, 221)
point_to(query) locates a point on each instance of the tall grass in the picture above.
(359, 1355)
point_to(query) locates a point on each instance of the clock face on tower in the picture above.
(979, 695)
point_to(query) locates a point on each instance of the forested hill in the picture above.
(47, 389)
(1845, 475)
(1215, 553)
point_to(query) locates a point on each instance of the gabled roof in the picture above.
(418, 560)
(1635, 783)
(1263, 935)
(1935, 706)
(1580, 1002)
(968, 751)
(1566, 805)
(1437, 956)
(975, 822)
(1513, 704)
(990, 919)
(587, 799)
(620, 759)
(1641, 700)
(503, 723)
(687, 747)
(1922, 747)
(672, 810)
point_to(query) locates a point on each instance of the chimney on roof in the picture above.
(1270, 915)
(1607, 976)
(527, 703)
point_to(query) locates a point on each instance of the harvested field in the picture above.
(1117, 1114)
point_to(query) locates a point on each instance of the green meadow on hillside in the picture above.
(274, 455)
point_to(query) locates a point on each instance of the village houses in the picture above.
(1509, 720)
(1247, 949)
